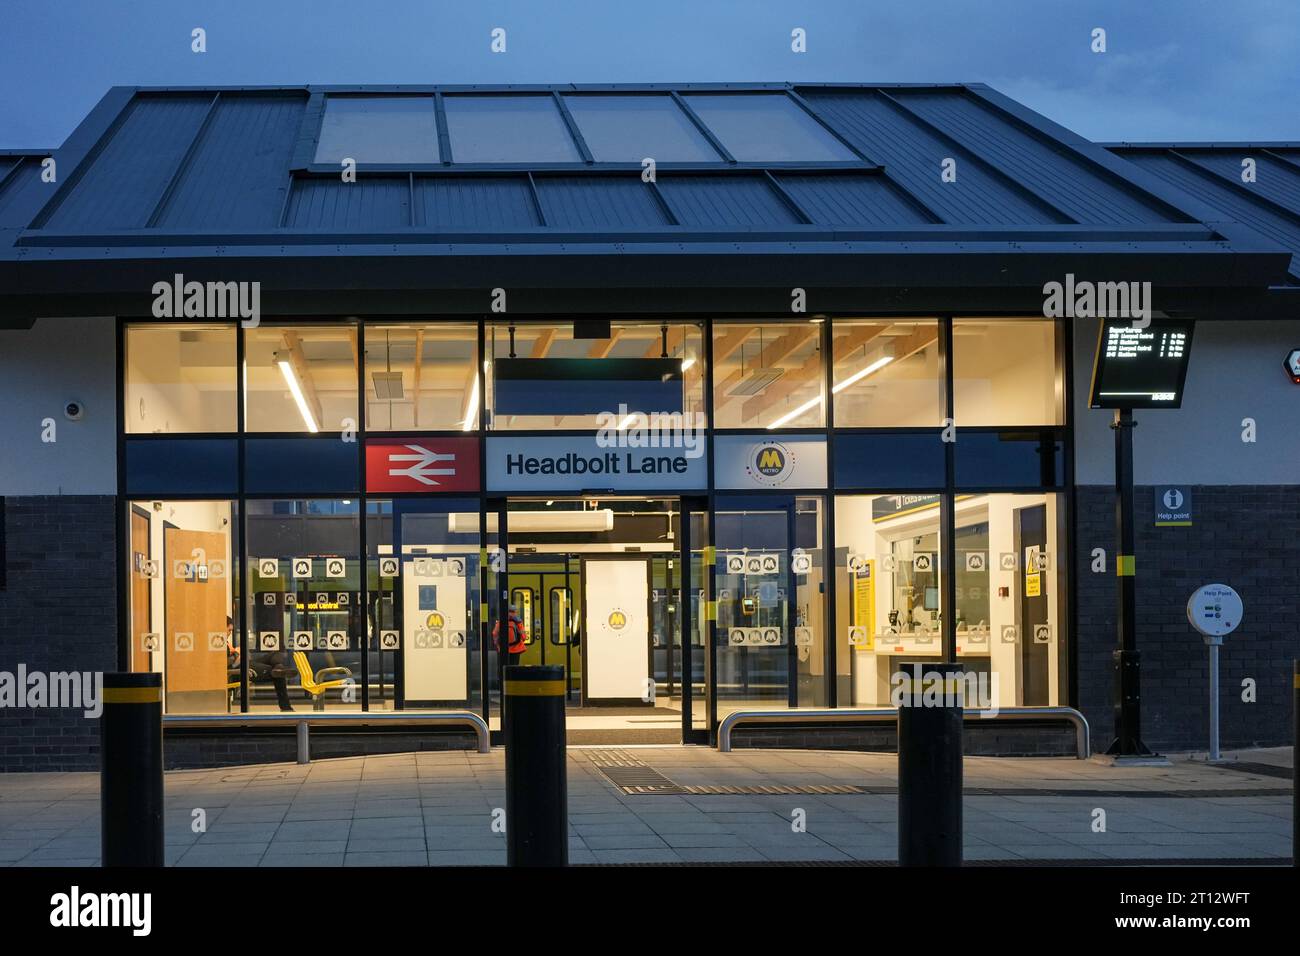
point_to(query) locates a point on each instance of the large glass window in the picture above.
(378, 129)
(770, 584)
(181, 604)
(300, 379)
(508, 129)
(767, 128)
(421, 378)
(888, 578)
(628, 129)
(887, 373)
(554, 376)
(768, 375)
(305, 622)
(1011, 585)
(1010, 589)
(1006, 372)
(180, 378)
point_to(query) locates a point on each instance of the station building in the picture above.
(736, 397)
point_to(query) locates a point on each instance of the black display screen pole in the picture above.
(1128, 692)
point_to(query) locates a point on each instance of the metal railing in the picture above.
(1082, 736)
(458, 718)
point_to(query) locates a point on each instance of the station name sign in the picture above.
(582, 463)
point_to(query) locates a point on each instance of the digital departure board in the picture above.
(1141, 368)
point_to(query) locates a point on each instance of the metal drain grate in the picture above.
(640, 780)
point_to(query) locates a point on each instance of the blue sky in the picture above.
(1173, 70)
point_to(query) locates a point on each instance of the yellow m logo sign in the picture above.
(771, 458)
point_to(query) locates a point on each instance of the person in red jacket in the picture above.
(517, 636)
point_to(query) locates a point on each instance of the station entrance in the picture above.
(611, 589)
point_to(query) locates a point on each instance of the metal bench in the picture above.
(888, 715)
(458, 718)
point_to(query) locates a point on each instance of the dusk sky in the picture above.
(1191, 70)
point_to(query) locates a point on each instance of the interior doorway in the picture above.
(597, 584)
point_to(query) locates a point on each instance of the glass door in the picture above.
(696, 621)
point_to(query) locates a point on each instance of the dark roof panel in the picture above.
(374, 204)
(469, 203)
(913, 153)
(851, 200)
(238, 172)
(121, 186)
(1213, 177)
(1057, 175)
(744, 202)
(599, 203)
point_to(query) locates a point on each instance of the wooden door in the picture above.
(196, 606)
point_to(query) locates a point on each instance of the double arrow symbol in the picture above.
(423, 468)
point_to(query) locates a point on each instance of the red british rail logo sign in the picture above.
(422, 464)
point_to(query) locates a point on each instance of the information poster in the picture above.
(864, 603)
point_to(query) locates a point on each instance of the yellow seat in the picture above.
(322, 680)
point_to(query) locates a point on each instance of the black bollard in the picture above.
(537, 802)
(131, 775)
(1295, 765)
(929, 766)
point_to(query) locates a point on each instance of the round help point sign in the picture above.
(1214, 610)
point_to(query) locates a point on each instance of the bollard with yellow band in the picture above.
(131, 775)
(537, 805)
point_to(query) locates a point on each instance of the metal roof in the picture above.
(1263, 194)
(193, 176)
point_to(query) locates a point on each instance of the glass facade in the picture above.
(757, 509)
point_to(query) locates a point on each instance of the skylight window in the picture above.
(628, 129)
(378, 129)
(508, 129)
(767, 128)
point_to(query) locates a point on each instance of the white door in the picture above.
(616, 652)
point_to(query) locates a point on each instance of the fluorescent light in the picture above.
(862, 373)
(790, 416)
(687, 363)
(292, 381)
(471, 408)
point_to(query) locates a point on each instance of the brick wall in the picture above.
(58, 612)
(1247, 537)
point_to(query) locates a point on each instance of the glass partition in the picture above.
(423, 564)
(771, 648)
(620, 375)
(180, 379)
(768, 375)
(421, 378)
(888, 578)
(182, 602)
(1006, 372)
(887, 373)
(300, 379)
(305, 625)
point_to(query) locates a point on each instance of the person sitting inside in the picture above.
(272, 666)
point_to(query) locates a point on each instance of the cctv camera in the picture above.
(74, 411)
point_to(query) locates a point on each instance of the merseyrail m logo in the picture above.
(770, 463)
(435, 619)
(617, 619)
